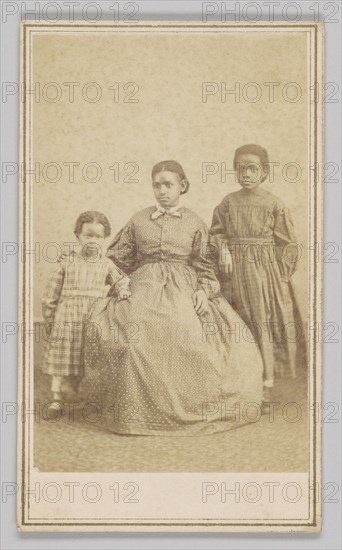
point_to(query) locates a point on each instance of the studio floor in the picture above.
(271, 444)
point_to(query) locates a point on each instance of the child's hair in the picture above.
(171, 166)
(92, 216)
(253, 149)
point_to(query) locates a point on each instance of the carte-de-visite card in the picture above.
(171, 282)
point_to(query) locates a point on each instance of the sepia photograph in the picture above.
(171, 220)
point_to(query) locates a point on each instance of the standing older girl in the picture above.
(256, 228)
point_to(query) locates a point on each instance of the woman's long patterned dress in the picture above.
(153, 366)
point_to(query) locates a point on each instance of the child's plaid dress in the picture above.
(73, 288)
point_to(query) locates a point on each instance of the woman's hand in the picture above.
(124, 294)
(200, 301)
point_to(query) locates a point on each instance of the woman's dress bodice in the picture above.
(177, 239)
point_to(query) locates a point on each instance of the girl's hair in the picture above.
(92, 216)
(171, 166)
(253, 149)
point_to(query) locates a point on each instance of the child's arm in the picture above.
(218, 225)
(218, 233)
(286, 246)
(52, 294)
(203, 264)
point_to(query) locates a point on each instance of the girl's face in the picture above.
(91, 240)
(167, 187)
(250, 172)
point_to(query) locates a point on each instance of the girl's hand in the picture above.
(200, 301)
(65, 255)
(226, 263)
(124, 294)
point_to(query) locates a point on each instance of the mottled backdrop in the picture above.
(147, 105)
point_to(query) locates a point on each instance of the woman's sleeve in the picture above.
(123, 249)
(202, 261)
(52, 294)
(117, 279)
(286, 246)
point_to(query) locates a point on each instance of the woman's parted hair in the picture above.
(253, 149)
(92, 216)
(171, 166)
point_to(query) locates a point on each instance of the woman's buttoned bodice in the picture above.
(180, 239)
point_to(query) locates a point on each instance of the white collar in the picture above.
(171, 211)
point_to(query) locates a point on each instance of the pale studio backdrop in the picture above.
(170, 120)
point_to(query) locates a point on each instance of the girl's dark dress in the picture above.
(259, 233)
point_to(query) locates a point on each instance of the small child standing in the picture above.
(261, 254)
(76, 284)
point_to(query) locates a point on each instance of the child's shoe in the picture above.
(55, 408)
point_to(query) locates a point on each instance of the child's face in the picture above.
(91, 239)
(167, 187)
(250, 172)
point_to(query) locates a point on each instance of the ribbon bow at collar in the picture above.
(172, 211)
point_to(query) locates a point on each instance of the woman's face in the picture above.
(167, 187)
(250, 171)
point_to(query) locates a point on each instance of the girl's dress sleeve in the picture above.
(218, 232)
(123, 249)
(286, 245)
(218, 226)
(202, 262)
(52, 294)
